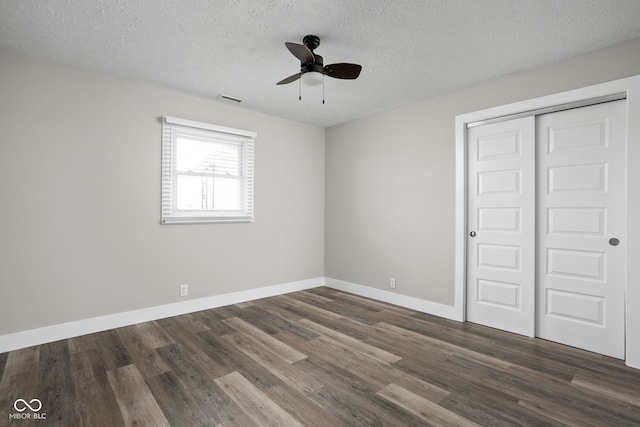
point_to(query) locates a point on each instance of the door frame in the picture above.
(630, 87)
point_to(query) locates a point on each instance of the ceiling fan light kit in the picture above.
(312, 78)
(312, 69)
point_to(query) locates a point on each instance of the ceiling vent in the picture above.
(228, 98)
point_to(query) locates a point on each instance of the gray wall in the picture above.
(390, 178)
(80, 192)
(80, 232)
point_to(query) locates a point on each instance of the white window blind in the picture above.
(207, 172)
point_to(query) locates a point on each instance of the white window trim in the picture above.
(171, 126)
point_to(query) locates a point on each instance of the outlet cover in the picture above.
(184, 290)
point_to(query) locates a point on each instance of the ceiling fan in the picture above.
(312, 68)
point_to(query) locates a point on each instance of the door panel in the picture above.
(576, 221)
(584, 177)
(581, 283)
(575, 307)
(499, 182)
(501, 200)
(499, 219)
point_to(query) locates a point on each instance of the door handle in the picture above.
(472, 234)
(614, 242)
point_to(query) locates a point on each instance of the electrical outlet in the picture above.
(184, 290)
(392, 283)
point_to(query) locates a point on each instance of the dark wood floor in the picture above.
(315, 358)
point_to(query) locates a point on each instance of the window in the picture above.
(207, 172)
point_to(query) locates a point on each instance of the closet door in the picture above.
(501, 222)
(581, 227)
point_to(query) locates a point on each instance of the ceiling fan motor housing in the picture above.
(311, 42)
(316, 66)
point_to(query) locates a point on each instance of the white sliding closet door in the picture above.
(581, 210)
(546, 222)
(501, 225)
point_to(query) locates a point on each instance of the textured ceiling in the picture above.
(410, 50)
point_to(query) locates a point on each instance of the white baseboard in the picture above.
(62, 331)
(424, 306)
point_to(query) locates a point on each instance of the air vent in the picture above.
(224, 97)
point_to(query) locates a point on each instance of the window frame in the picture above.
(172, 129)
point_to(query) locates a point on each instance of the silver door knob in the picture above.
(614, 242)
(472, 234)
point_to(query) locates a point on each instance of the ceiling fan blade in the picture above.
(301, 52)
(289, 79)
(343, 70)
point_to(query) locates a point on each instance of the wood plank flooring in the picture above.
(315, 358)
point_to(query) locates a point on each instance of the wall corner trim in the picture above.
(424, 306)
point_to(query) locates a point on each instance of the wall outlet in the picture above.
(392, 283)
(184, 290)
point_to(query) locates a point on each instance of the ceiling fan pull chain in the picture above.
(323, 89)
(300, 91)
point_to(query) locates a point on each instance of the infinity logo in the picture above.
(27, 405)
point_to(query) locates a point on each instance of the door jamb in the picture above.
(631, 87)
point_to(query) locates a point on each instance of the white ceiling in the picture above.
(410, 50)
